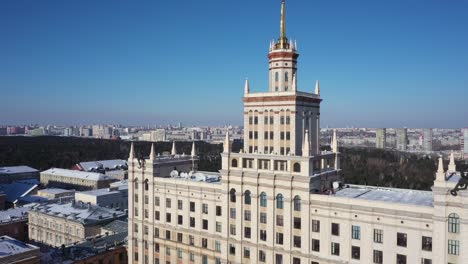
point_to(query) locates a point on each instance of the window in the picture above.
(297, 203)
(261, 256)
(246, 253)
(296, 261)
(266, 123)
(279, 238)
(168, 234)
(247, 197)
(335, 229)
(232, 249)
(204, 243)
(453, 223)
(179, 204)
(263, 218)
(146, 199)
(205, 224)
(401, 239)
(218, 227)
(297, 241)
(279, 220)
(145, 230)
(427, 243)
(316, 245)
(218, 210)
(378, 235)
(191, 240)
(286, 77)
(297, 222)
(279, 259)
(453, 247)
(232, 213)
(180, 237)
(263, 199)
(168, 217)
(232, 195)
(335, 249)
(279, 201)
(378, 257)
(316, 226)
(156, 201)
(192, 206)
(156, 232)
(288, 121)
(217, 246)
(180, 220)
(297, 167)
(168, 203)
(276, 76)
(356, 232)
(400, 259)
(426, 261)
(355, 252)
(136, 198)
(156, 247)
(179, 253)
(247, 232)
(247, 215)
(263, 235)
(205, 208)
(192, 221)
(232, 229)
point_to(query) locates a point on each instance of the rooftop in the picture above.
(18, 189)
(79, 212)
(388, 195)
(10, 246)
(55, 191)
(116, 226)
(103, 164)
(13, 214)
(77, 174)
(16, 169)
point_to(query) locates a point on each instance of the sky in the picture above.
(399, 63)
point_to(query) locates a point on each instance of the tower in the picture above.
(276, 121)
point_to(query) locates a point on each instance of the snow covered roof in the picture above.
(18, 189)
(77, 174)
(389, 195)
(79, 212)
(10, 246)
(55, 191)
(16, 169)
(103, 164)
(13, 214)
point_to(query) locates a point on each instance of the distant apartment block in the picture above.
(72, 179)
(13, 251)
(380, 138)
(402, 139)
(63, 224)
(427, 139)
(14, 173)
(465, 143)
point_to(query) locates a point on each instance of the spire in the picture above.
(227, 143)
(294, 82)
(174, 151)
(317, 87)
(452, 167)
(306, 144)
(246, 86)
(440, 175)
(152, 153)
(283, 40)
(334, 146)
(132, 152)
(194, 152)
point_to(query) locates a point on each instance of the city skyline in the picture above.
(396, 61)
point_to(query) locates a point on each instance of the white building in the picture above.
(73, 179)
(278, 200)
(116, 196)
(380, 138)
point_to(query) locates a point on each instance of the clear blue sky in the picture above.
(380, 63)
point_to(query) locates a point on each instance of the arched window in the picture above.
(279, 201)
(247, 197)
(453, 223)
(286, 77)
(263, 199)
(234, 163)
(297, 167)
(135, 183)
(232, 195)
(276, 76)
(146, 184)
(297, 203)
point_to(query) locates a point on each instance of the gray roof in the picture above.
(14, 214)
(10, 246)
(389, 195)
(116, 226)
(79, 212)
(18, 189)
(103, 164)
(77, 174)
(16, 169)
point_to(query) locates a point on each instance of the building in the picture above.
(72, 179)
(279, 200)
(13, 251)
(11, 174)
(55, 193)
(380, 138)
(14, 223)
(116, 169)
(18, 189)
(102, 131)
(427, 140)
(465, 143)
(112, 197)
(402, 139)
(66, 223)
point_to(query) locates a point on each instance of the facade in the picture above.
(63, 224)
(380, 138)
(15, 173)
(427, 140)
(465, 143)
(14, 223)
(55, 193)
(280, 200)
(72, 179)
(13, 251)
(112, 197)
(402, 139)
